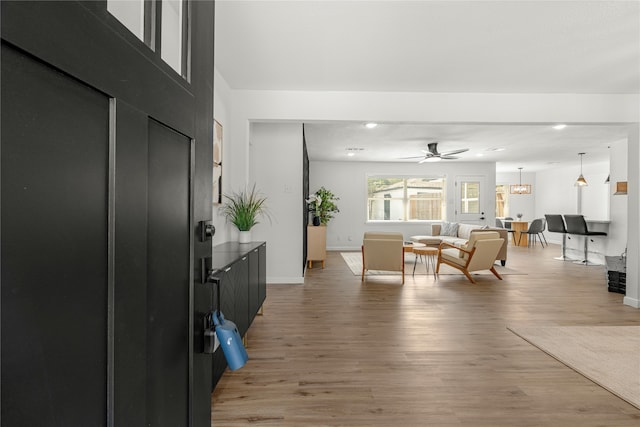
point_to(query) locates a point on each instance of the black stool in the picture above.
(577, 225)
(555, 224)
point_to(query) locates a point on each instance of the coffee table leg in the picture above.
(431, 264)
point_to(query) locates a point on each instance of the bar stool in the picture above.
(555, 224)
(577, 225)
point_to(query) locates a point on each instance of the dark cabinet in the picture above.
(241, 269)
(240, 283)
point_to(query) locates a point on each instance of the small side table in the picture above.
(411, 246)
(430, 254)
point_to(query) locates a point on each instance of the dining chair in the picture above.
(535, 231)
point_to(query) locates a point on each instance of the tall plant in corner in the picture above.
(323, 205)
(243, 208)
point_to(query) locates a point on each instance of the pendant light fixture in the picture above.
(520, 188)
(581, 182)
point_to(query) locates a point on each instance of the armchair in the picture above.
(382, 251)
(478, 254)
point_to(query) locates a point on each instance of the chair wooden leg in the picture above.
(466, 273)
(495, 273)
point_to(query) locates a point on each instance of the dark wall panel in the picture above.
(54, 246)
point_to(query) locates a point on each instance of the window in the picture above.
(130, 13)
(502, 201)
(405, 199)
(469, 197)
(170, 37)
(172, 33)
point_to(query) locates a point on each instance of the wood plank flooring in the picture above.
(336, 352)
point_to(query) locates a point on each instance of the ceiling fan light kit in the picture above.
(432, 154)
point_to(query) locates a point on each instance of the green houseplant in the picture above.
(323, 205)
(243, 208)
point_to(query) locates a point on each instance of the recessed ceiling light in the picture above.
(371, 125)
(351, 151)
(479, 154)
(560, 126)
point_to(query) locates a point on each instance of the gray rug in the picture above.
(354, 261)
(607, 355)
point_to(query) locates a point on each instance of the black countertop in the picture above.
(227, 253)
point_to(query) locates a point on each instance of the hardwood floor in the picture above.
(335, 352)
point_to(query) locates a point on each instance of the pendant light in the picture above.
(520, 188)
(581, 182)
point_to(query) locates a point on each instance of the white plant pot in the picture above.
(245, 237)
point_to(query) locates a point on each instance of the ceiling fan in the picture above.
(432, 155)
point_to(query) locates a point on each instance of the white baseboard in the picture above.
(293, 280)
(633, 302)
(344, 248)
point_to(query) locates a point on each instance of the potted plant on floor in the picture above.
(243, 208)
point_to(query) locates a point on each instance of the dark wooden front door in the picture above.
(99, 206)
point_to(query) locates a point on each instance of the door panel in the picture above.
(168, 277)
(54, 246)
(471, 199)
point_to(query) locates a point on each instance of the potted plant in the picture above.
(323, 205)
(243, 208)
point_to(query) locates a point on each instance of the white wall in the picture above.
(632, 297)
(520, 203)
(276, 168)
(221, 112)
(348, 181)
(617, 238)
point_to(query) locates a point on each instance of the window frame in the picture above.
(406, 198)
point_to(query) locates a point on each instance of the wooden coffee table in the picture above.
(430, 253)
(409, 247)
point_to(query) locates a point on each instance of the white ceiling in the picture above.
(437, 46)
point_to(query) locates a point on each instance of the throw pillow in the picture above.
(449, 229)
(485, 227)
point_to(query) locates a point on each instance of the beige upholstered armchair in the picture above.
(382, 251)
(478, 254)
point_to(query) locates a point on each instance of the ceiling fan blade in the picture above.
(448, 157)
(412, 157)
(423, 160)
(451, 153)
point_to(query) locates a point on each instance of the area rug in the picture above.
(607, 355)
(354, 261)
